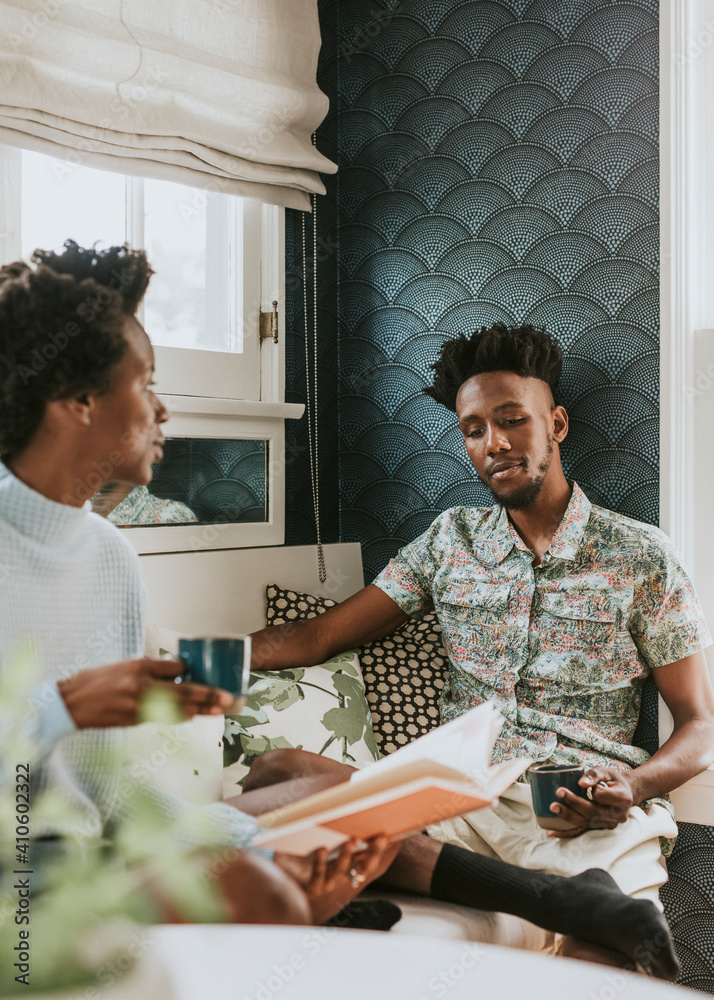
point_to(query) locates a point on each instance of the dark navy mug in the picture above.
(221, 663)
(544, 780)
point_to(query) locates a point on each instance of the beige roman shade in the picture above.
(220, 94)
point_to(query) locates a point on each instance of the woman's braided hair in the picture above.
(524, 350)
(62, 330)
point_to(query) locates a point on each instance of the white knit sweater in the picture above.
(70, 583)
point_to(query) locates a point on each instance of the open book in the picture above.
(445, 773)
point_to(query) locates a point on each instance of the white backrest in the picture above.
(204, 593)
(224, 590)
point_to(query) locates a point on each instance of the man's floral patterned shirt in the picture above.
(563, 648)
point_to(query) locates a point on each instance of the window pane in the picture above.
(199, 480)
(61, 201)
(191, 298)
(193, 238)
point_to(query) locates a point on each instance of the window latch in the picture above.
(269, 324)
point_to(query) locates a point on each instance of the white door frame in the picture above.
(687, 291)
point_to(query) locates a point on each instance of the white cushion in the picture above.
(442, 921)
(321, 708)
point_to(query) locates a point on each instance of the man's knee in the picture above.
(256, 891)
(282, 765)
(271, 767)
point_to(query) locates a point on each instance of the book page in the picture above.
(464, 745)
(500, 776)
(460, 749)
(301, 842)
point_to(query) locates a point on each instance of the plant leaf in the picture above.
(254, 746)
(275, 691)
(287, 673)
(289, 696)
(344, 724)
(350, 721)
(343, 662)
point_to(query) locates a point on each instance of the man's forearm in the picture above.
(367, 615)
(294, 644)
(688, 751)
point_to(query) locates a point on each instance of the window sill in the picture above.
(255, 408)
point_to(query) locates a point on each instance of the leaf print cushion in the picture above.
(321, 708)
(404, 673)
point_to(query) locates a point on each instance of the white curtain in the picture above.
(220, 94)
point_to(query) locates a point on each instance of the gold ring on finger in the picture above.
(356, 878)
(600, 784)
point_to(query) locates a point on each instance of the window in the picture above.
(219, 262)
(204, 247)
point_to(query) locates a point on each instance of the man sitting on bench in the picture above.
(557, 610)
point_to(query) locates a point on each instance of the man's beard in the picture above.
(527, 494)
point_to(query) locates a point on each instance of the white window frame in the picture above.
(197, 418)
(218, 374)
(687, 294)
(192, 383)
(687, 259)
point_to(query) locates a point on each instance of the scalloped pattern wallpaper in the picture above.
(218, 479)
(498, 160)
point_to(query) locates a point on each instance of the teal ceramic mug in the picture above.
(544, 780)
(218, 662)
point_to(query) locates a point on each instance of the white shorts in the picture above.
(630, 853)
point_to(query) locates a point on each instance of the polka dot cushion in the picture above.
(289, 606)
(403, 676)
(403, 672)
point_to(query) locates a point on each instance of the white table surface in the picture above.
(317, 963)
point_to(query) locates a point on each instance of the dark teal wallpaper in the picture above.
(498, 161)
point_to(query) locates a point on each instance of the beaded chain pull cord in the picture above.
(311, 394)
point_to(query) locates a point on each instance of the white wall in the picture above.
(223, 592)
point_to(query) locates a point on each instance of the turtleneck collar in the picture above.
(37, 517)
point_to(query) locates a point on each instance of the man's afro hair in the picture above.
(523, 350)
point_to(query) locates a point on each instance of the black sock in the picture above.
(588, 906)
(367, 914)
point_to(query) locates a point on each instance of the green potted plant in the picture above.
(74, 912)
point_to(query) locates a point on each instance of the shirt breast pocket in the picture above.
(591, 622)
(475, 605)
